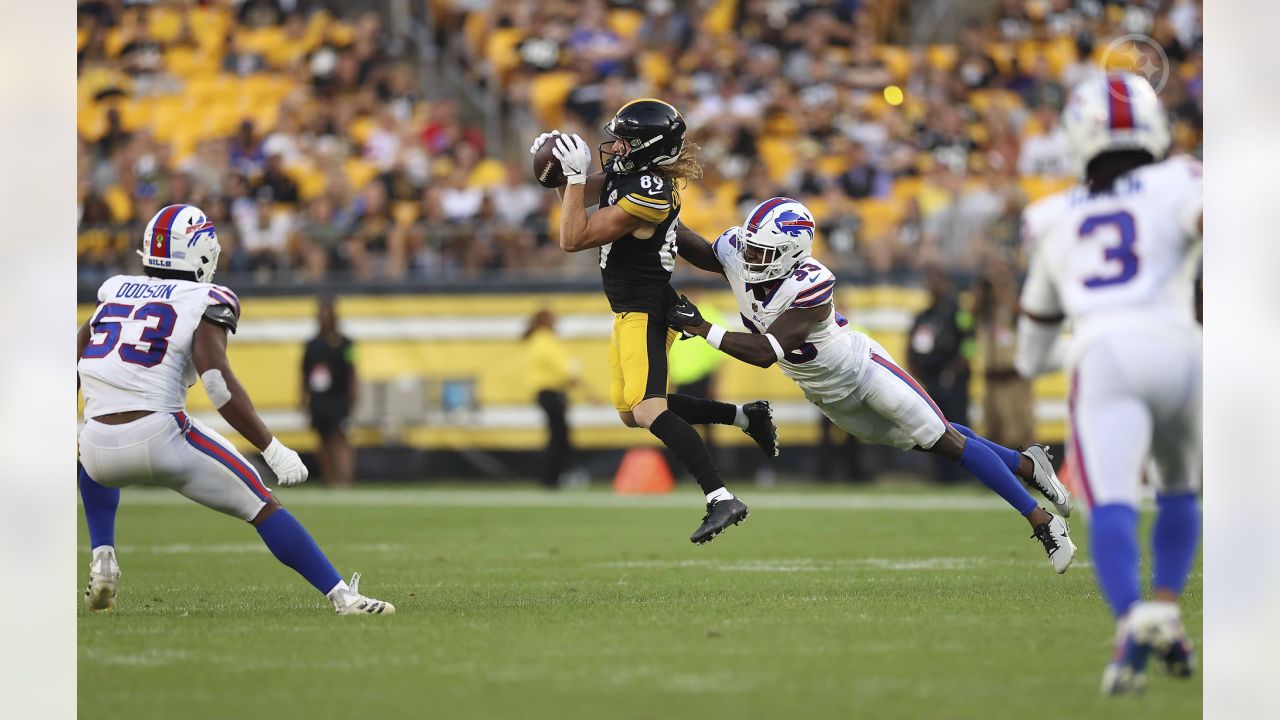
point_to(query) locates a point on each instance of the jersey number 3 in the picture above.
(1121, 252)
(157, 338)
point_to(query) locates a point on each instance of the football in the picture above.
(546, 168)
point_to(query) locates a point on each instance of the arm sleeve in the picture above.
(222, 316)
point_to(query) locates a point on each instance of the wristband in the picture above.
(777, 348)
(715, 336)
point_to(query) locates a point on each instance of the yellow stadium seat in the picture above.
(184, 142)
(260, 40)
(879, 217)
(655, 68)
(265, 118)
(358, 173)
(1003, 55)
(778, 156)
(360, 128)
(942, 57)
(626, 22)
(547, 94)
(164, 24)
(719, 19)
(1060, 52)
(487, 173)
(168, 115)
(500, 49)
(474, 29)
(119, 203)
(82, 38)
(904, 188)
(115, 41)
(1028, 52)
(896, 59)
(91, 122)
(136, 113)
(311, 182)
(405, 213)
(833, 165)
(340, 33)
(1036, 186)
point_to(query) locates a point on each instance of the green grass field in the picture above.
(878, 604)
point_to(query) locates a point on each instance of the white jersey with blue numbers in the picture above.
(139, 353)
(827, 365)
(1121, 261)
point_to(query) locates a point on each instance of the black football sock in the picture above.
(685, 442)
(700, 411)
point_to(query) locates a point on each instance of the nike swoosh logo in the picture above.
(654, 192)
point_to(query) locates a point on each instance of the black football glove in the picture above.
(684, 314)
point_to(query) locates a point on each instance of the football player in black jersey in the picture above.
(634, 228)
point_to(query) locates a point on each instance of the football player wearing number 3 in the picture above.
(146, 342)
(785, 297)
(1116, 256)
(634, 227)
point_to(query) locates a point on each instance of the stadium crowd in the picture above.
(320, 148)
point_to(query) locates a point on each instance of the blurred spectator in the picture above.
(329, 393)
(1046, 152)
(552, 372)
(940, 345)
(862, 179)
(1007, 410)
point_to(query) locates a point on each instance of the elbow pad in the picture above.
(215, 386)
(1039, 350)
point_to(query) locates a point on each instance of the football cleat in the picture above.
(104, 574)
(1056, 539)
(1127, 672)
(720, 515)
(1149, 629)
(760, 426)
(1046, 480)
(351, 602)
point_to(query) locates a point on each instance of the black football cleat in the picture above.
(760, 426)
(720, 515)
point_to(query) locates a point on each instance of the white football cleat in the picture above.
(349, 601)
(1046, 480)
(104, 574)
(1056, 539)
(1152, 628)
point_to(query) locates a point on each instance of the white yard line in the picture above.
(406, 497)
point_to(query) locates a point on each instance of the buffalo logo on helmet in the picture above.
(793, 224)
(198, 228)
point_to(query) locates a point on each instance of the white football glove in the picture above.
(541, 140)
(574, 157)
(285, 463)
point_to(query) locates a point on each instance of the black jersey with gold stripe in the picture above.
(637, 271)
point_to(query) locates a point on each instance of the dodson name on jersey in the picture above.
(139, 354)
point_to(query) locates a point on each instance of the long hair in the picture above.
(687, 167)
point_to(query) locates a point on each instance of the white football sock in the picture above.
(718, 495)
(338, 589)
(104, 549)
(740, 419)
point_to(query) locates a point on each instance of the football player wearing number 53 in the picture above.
(634, 224)
(148, 340)
(786, 300)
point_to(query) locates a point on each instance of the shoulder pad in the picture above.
(219, 295)
(816, 289)
(222, 316)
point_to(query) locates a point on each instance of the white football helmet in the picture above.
(776, 236)
(181, 237)
(1118, 111)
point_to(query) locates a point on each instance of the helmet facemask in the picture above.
(764, 262)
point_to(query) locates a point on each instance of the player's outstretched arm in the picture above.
(697, 251)
(209, 353)
(787, 333)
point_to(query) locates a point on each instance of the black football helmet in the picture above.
(653, 131)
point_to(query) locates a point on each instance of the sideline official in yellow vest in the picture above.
(552, 372)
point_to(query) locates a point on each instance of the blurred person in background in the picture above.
(329, 393)
(1007, 404)
(940, 344)
(693, 367)
(552, 372)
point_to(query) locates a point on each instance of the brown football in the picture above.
(546, 168)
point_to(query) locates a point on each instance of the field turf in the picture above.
(512, 603)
